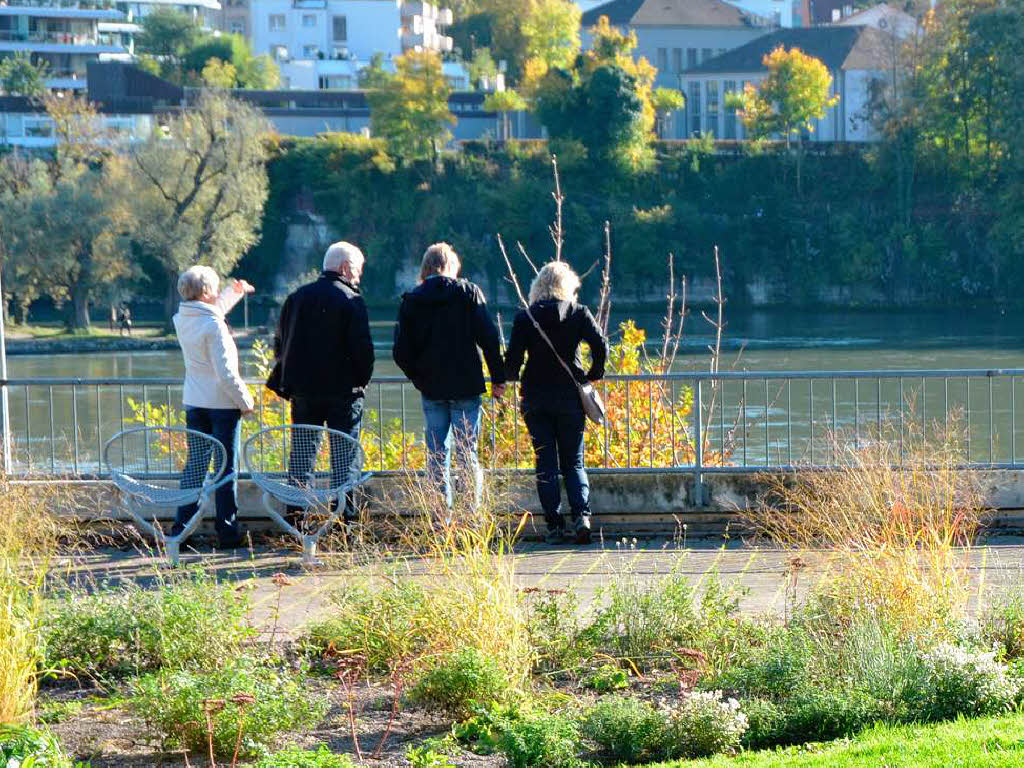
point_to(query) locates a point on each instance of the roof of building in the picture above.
(689, 13)
(619, 12)
(837, 47)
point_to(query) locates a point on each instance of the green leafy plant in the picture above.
(481, 732)
(606, 678)
(192, 621)
(542, 741)
(555, 629)
(701, 723)
(432, 753)
(456, 680)
(628, 730)
(294, 757)
(24, 747)
(240, 706)
(966, 682)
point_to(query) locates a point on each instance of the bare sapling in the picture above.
(604, 304)
(555, 230)
(718, 325)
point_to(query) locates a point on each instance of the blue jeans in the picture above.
(222, 424)
(556, 431)
(453, 426)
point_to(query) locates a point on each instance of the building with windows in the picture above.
(679, 35)
(204, 12)
(855, 56)
(322, 44)
(65, 35)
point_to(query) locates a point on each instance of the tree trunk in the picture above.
(79, 319)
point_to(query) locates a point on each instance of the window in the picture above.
(729, 87)
(276, 21)
(279, 52)
(705, 54)
(711, 91)
(677, 60)
(720, 51)
(693, 109)
(336, 83)
(238, 27)
(308, 20)
(691, 58)
(662, 61)
(340, 26)
(310, 51)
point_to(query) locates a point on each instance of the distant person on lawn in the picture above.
(324, 359)
(215, 396)
(551, 403)
(443, 325)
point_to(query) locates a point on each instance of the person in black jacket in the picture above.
(325, 359)
(441, 324)
(550, 399)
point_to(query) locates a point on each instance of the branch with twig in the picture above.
(604, 304)
(556, 231)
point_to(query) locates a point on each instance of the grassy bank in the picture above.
(985, 743)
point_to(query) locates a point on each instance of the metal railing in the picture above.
(747, 421)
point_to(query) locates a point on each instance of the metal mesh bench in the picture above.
(161, 467)
(295, 466)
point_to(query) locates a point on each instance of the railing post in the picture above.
(5, 414)
(698, 451)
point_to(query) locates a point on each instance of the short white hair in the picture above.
(341, 253)
(198, 281)
(556, 280)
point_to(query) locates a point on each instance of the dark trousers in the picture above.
(344, 414)
(222, 424)
(556, 430)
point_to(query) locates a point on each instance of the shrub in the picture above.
(626, 729)
(23, 746)
(430, 754)
(700, 724)
(964, 682)
(555, 631)
(542, 741)
(1003, 623)
(189, 622)
(811, 714)
(382, 625)
(774, 670)
(293, 757)
(255, 700)
(457, 679)
(481, 732)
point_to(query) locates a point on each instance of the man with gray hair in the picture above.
(325, 354)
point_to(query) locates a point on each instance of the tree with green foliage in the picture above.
(551, 32)
(167, 33)
(19, 76)
(219, 74)
(666, 101)
(409, 109)
(199, 188)
(795, 93)
(504, 103)
(256, 72)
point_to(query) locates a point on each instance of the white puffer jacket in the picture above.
(212, 379)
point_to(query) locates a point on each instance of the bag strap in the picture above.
(551, 344)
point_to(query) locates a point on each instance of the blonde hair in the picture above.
(440, 258)
(556, 280)
(196, 282)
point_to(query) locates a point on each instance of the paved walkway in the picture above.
(287, 604)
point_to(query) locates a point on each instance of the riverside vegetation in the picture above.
(431, 619)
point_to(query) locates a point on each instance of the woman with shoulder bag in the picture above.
(548, 334)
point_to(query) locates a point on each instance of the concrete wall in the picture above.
(623, 505)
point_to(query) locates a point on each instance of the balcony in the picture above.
(63, 38)
(57, 11)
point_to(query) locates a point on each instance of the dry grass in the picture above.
(30, 532)
(897, 521)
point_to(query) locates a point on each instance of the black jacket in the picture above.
(323, 343)
(441, 323)
(567, 324)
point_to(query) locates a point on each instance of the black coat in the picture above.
(323, 343)
(441, 323)
(567, 324)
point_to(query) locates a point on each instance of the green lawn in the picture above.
(984, 743)
(98, 331)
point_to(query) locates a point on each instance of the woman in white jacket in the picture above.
(215, 396)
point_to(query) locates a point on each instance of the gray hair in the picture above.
(556, 280)
(198, 281)
(440, 258)
(341, 253)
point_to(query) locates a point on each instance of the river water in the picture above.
(780, 422)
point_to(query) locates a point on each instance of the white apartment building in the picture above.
(206, 13)
(65, 35)
(322, 44)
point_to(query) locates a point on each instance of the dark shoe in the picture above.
(555, 536)
(233, 541)
(582, 529)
